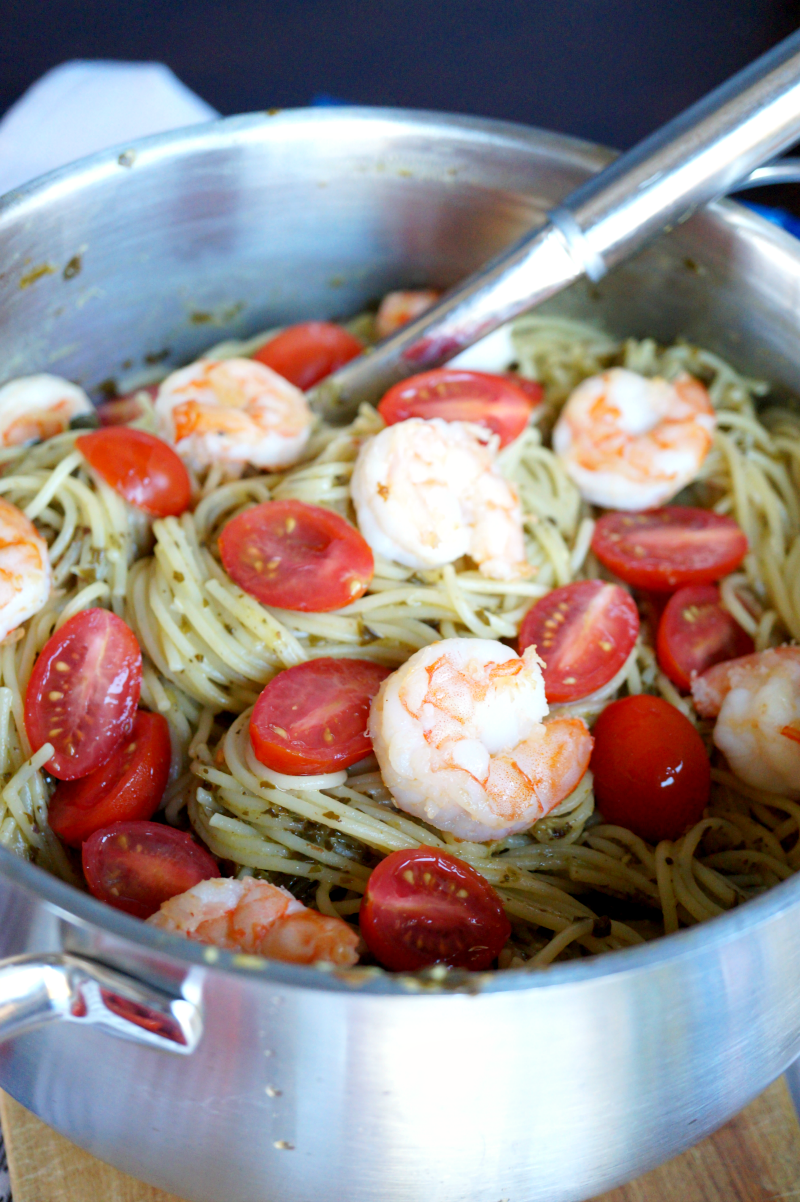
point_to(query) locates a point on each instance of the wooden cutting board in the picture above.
(754, 1158)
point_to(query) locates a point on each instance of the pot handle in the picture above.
(40, 989)
(782, 171)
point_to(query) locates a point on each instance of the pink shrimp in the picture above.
(233, 411)
(756, 701)
(255, 917)
(629, 442)
(459, 737)
(398, 308)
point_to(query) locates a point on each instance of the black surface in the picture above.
(608, 70)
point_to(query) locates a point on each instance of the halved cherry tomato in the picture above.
(532, 388)
(696, 632)
(313, 717)
(296, 556)
(135, 866)
(651, 771)
(306, 353)
(83, 692)
(129, 785)
(496, 402)
(425, 907)
(662, 549)
(584, 632)
(140, 467)
(124, 409)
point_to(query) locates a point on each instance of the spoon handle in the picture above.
(693, 159)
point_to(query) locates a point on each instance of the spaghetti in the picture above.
(571, 885)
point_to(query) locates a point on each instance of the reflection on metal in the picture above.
(35, 990)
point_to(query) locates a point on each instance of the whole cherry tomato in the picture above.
(651, 771)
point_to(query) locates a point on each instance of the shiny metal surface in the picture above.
(785, 171)
(546, 1087)
(39, 989)
(695, 158)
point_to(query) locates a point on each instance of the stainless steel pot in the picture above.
(217, 1077)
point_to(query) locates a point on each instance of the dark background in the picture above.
(608, 70)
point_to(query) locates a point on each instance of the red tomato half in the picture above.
(663, 549)
(696, 632)
(129, 785)
(461, 396)
(83, 692)
(306, 353)
(313, 717)
(140, 467)
(135, 866)
(296, 556)
(651, 771)
(124, 409)
(532, 388)
(425, 907)
(584, 632)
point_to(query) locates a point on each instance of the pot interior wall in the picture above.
(144, 258)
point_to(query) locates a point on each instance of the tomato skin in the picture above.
(584, 632)
(651, 771)
(304, 354)
(129, 785)
(135, 866)
(410, 924)
(532, 388)
(296, 556)
(696, 632)
(496, 402)
(319, 698)
(83, 692)
(663, 549)
(140, 467)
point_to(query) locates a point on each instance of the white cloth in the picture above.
(81, 107)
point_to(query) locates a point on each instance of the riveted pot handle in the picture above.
(35, 990)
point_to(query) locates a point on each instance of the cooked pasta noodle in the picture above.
(571, 885)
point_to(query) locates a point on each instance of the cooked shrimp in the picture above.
(756, 701)
(428, 492)
(629, 442)
(233, 411)
(33, 408)
(25, 573)
(258, 918)
(461, 744)
(398, 308)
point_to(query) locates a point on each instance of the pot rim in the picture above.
(69, 902)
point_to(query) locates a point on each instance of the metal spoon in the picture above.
(693, 159)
